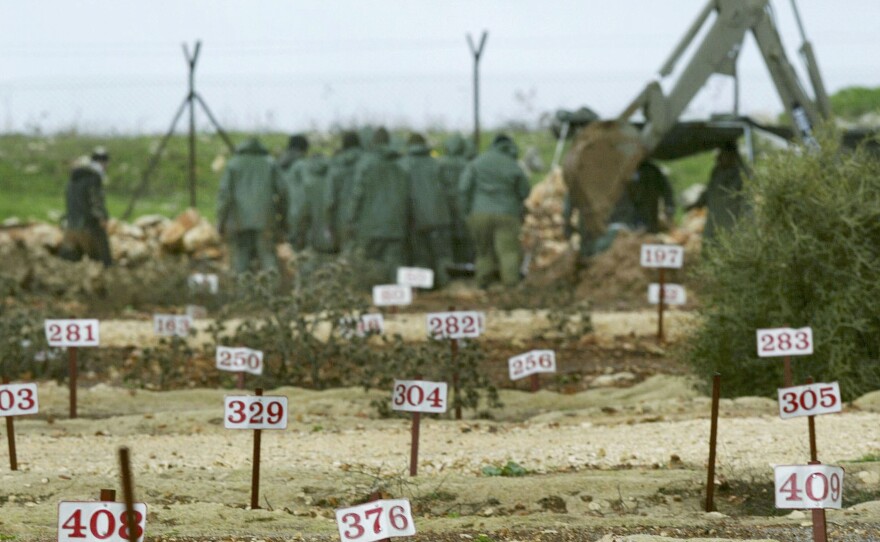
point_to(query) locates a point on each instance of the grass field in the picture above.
(34, 169)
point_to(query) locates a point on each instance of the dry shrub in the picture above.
(807, 255)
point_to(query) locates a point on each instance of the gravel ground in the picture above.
(600, 460)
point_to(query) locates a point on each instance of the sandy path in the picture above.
(515, 325)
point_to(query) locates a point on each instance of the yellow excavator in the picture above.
(605, 154)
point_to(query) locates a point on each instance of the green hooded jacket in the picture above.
(341, 175)
(493, 183)
(380, 196)
(427, 196)
(317, 218)
(249, 190)
(452, 164)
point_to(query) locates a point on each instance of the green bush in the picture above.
(808, 254)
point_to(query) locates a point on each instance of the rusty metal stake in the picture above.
(786, 372)
(456, 397)
(71, 356)
(255, 473)
(10, 437)
(127, 492)
(414, 445)
(820, 528)
(239, 384)
(662, 294)
(535, 383)
(713, 441)
(107, 495)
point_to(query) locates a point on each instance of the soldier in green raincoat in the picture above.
(380, 209)
(452, 164)
(491, 191)
(247, 206)
(430, 238)
(317, 218)
(341, 178)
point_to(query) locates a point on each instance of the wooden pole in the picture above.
(255, 472)
(713, 441)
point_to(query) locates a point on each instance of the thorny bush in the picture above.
(808, 254)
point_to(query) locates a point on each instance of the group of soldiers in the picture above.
(381, 206)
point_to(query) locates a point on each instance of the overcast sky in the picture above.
(99, 65)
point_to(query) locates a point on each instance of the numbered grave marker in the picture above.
(375, 521)
(18, 400)
(390, 295)
(172, 325)
(255, 412)
(662, 256)
(532, 362)
(419, 396)
(80, 521)
(239, 360)
(416, 277)
(785, 341)
(673, 294)
(808, 486)
(204, 282)
(453, 325)
(809, 400)
(70, 333)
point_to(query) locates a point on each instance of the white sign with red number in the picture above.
(454, 325)
(239, 360)
(204, 281)
(170, 325)
(785, 341)
(419, 396)
(667, 256)
(417, 277)
(255, 412)
(18, 399)
(533, 362)
(80, 521)
(808, 486)
(82, 332)
(386, 295)
(673, 294)
(809, 400)
(375, 520)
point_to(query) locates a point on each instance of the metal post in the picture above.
(786, 372)
(71, 378)
(453, 350)
(239, 381)
(191, 97)
(107, 495)
(127, 492)
(414, 444)
(662, 279)
(477, 52)
(255, 472)
(713, 442)
(10, 437)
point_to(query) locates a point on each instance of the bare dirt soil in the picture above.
(615, 452)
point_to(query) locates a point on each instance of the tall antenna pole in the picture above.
(477, 52)
(191, 101)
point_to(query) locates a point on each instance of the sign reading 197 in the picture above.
(667, 256)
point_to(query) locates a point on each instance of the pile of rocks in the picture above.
(542, 231)
(149, 236)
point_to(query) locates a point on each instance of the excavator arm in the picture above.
(605, 154)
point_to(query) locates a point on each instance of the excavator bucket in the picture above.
(601, 159)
